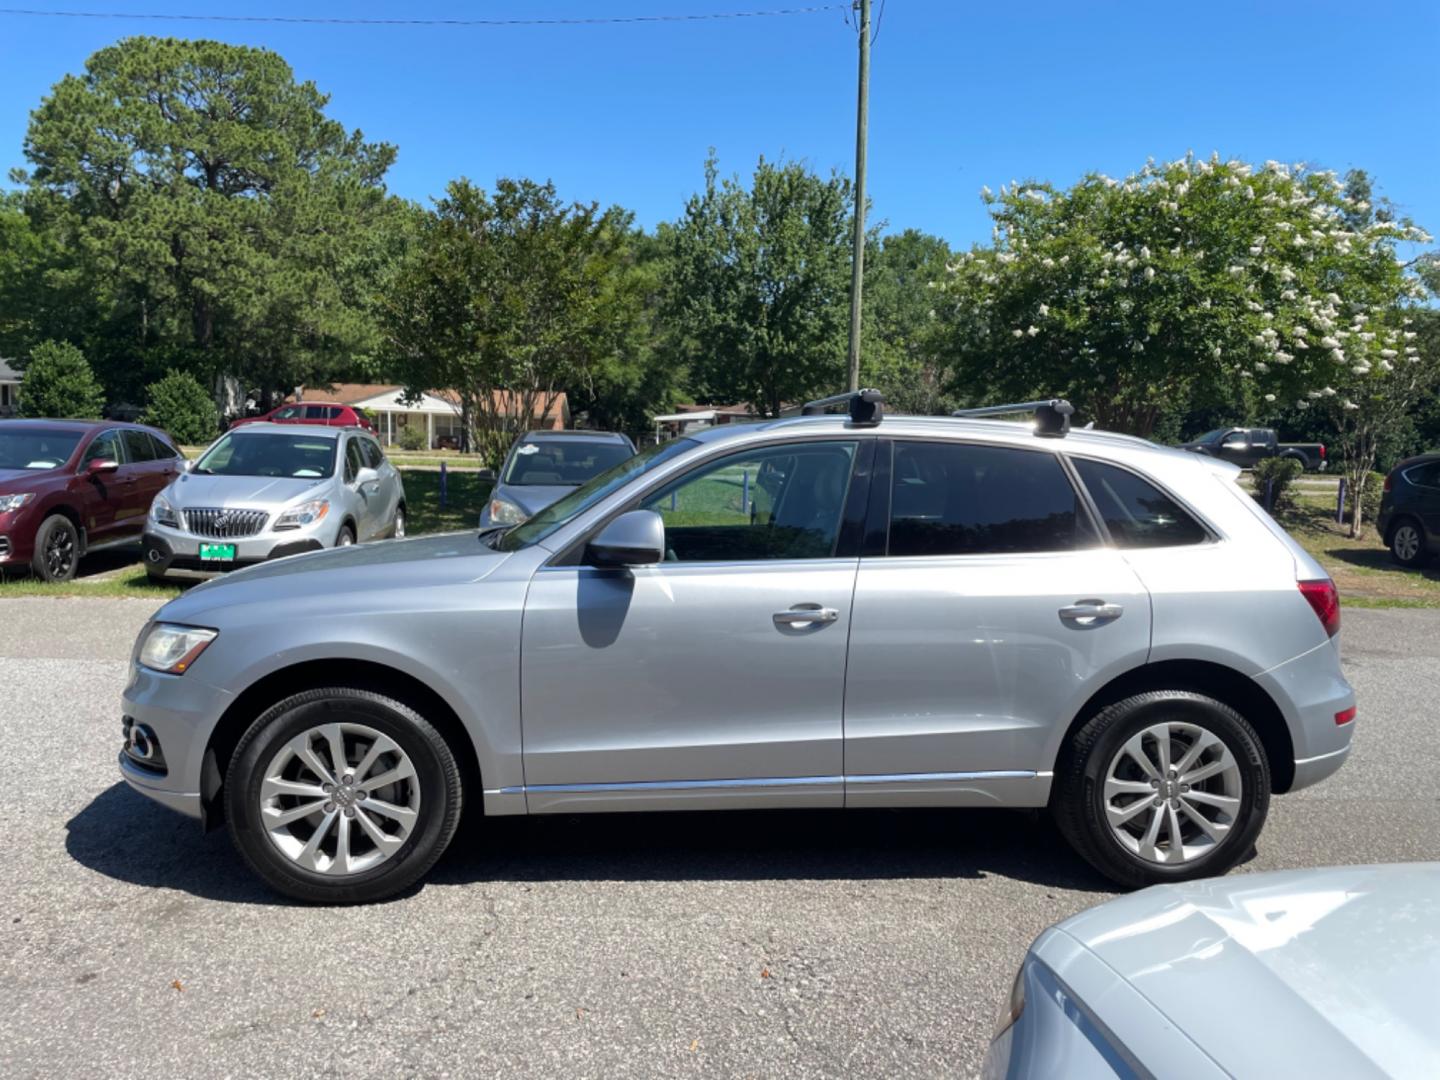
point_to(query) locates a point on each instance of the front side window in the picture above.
(776, 502)
(271, 453)
(106, 447)
(354, 460)
(966, 499)
(1137, 513)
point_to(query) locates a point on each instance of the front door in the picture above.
(103, 495)
(714, 678)
(984, 620)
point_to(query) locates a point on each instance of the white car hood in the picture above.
(1297, 973)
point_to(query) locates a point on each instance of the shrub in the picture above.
(178, 404)
(412, 438)
(1279, 472)
(59, 384)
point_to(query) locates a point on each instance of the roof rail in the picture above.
(864, 406)
(1052, 415)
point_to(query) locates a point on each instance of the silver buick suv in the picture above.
(820, 611)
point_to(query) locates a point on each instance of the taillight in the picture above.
(1324, 599)
(1345, 716)
(1389, 481)
(1322, 451)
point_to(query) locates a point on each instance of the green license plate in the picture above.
(217, 552)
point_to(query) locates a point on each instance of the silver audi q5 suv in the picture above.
(823, 611)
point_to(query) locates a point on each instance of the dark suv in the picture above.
(68, 487)
(1410, 510)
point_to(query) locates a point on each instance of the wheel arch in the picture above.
(307, 675)
(1225, 684)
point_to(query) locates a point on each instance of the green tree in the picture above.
(58, 383)
(218, 221)
(179, 405)
(899, 353)
(1184, 285)
(509, 298)
(756, 306)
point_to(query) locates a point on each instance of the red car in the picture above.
(69, 487)
(328, 413)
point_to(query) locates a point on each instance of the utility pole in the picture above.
(862, 127)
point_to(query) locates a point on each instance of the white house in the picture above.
(438, 413)
(9, 388)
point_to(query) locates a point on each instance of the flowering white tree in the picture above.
(1191, 282)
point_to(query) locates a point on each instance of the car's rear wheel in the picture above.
(1163, 786)
(342, 796)
(1407, 543)
(57, 549)
(399, 531)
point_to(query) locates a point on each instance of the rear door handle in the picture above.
(1087, 613)
(805, 615)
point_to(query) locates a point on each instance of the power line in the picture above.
(813, 9)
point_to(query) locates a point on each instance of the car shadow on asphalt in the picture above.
(125, 836)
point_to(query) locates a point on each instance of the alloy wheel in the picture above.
(1172, 793)
(1406, 543)
(339, 798)
(59, 553)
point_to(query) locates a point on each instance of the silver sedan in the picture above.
(1294, 973)
(264, 491)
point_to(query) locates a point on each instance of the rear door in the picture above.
(987, 611)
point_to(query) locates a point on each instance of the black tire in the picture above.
(57, 549)
(1078, 803)
(1407, 543)
(436, 772)
(345, 537)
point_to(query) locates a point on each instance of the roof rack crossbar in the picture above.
(1052, 415)
(864, 406)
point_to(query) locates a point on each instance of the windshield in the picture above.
(582, 498)
(242, 453)
(36, 448)
(567, 463)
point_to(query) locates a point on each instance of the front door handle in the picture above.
(806, 615)
(1087, 613)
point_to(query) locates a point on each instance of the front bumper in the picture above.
(170, 549)
(181, 711)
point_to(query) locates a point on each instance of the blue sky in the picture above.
(963, 94)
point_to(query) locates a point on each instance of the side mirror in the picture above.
(188, 466)
(636, 538)
(366, 478)
(101, 467)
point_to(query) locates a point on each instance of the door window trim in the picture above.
(571, 554)
(877, 534)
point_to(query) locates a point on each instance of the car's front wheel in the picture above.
(57, 549)
(342, 796)
(1163, 786)
(1407, 543)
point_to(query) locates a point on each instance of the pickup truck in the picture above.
(1247, 447)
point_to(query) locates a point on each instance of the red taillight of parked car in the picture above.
(1389, 481)
(1322, 451)
(1345, 716)
(1324, 599)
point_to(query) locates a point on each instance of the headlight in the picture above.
(504, 512)
(298, 517)
(1012, 1008)
(14, 502)
(162, 513)
(172, 649)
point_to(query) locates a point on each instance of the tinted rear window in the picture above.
(960, 499)
(1137, 513)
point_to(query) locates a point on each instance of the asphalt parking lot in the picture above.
(799, 944)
